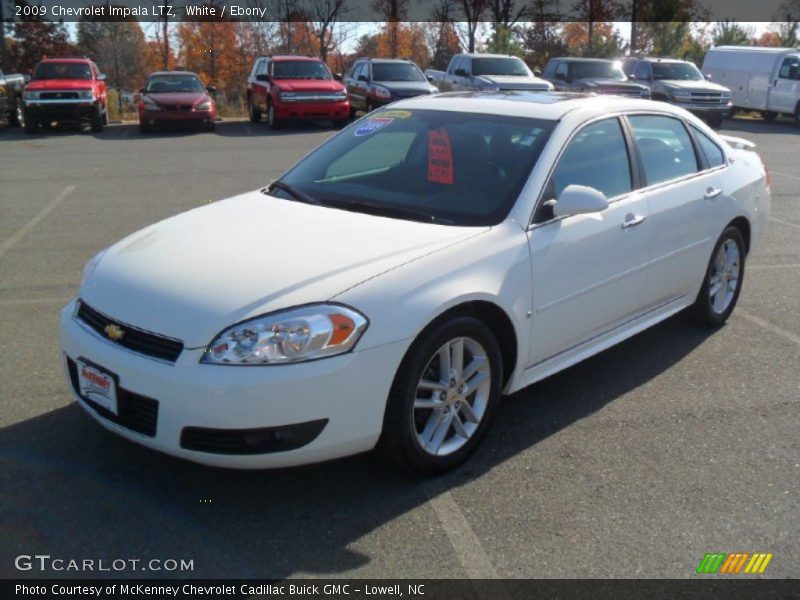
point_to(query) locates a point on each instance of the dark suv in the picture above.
(373, 82)
(592, 75)
(680, 82)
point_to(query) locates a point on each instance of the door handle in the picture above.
(712, 193)
(632, 220)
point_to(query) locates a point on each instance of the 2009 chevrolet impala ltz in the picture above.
(388, 289)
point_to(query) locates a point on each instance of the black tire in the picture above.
(272, 120)
(252, 111)
(339, 123)
(715, 122)
(144, 127)
(399, 444)
(16, 118)
(31, 124)
(352, 114)
(105, 116)
(211, 126)
(368, 106)
(797, 115)
(96, 120)
(703, 308)
(769, 116)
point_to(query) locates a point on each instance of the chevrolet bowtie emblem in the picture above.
(115, 332)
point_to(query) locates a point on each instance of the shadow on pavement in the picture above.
(68, 488)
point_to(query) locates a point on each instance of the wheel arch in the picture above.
(743, 225)
(494, 317)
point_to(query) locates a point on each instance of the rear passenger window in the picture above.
(596, 157)
(713, 152)
(665, 147)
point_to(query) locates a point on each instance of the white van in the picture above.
(764, 79)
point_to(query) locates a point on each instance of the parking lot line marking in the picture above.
(20, 233)
(764, 267)
(780, 331)
(784, 222)
(462, 537)
(784, 175)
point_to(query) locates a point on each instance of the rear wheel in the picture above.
(723, 281)
(443, 397)
(797, 115)
(715, 122)
(769, 115)
(16, 118)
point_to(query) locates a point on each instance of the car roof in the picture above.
(67, 60)
(660, 59)
(549, 106)
(172, 73)
(581, 59)
(482, 55)
(385, 60)
(283, 57)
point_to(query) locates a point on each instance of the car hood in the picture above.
(38, 85)
(176, 98)
(511, 82)
(695, 85)
(309, 85)
(193, 275)
(608, 82)
(406, 86)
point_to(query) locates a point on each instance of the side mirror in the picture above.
(429, 78)
(101, 77)
(460, 73)
(579, 200)
(560, 76)
(211, 89)
(26, 79)
(537, 72)
(631, 77)
(362, 78)
(141, 90)
(708, 76)
(262, 77)
(337, 76)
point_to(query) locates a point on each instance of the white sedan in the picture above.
(388, 289)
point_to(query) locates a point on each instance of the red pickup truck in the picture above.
(295, 87)
(65, 89)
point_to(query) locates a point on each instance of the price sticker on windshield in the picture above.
(372, 125)
(440, 158)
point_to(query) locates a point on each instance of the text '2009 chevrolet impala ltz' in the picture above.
(392, 285)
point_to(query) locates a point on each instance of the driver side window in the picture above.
(596, 157)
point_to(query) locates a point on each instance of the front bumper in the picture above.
(342, 397)
(313, 110)
(61, 109)
(706, 110)
(177, 117)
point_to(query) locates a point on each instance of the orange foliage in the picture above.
(410, 40)
(770, 38)
(212, 50)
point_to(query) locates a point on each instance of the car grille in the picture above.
(177, 107)
(59, 95)
(620, 91)
(314, 97)
(143, 342)
(706, 98)
(408, 94)
(263, 440)
(135, 412)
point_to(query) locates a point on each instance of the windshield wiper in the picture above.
(387, 210)
(293, 192)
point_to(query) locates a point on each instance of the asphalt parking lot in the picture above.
(635, 463)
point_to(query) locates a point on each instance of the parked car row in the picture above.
(286, 88)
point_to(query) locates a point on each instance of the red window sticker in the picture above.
(440, 158)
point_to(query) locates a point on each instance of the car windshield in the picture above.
(300, 69)
(396, 72)
(683, 71)
(591, 70)
(170, 84)
(435, 166)
(499, 66)
(62, 70)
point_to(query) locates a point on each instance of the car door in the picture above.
(561, 75)
(260, 87)
(785, 90)
(683, 190)
(589, 271)
(357, 87)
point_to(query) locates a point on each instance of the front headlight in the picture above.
(30, 95)
(290, 336)
(286, 96)
(726, 95)
(203, 105)
(150, 104)
(681, 94)
(85, 95)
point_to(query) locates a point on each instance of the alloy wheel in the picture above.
(452, 396)
(724, 280)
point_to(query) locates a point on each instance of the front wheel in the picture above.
(272, 120)
(96, 120)
(723, 281)
(443, 397)
(252, 111)
(769, 116)
(715, 122)
(16, 118)
(31, 124)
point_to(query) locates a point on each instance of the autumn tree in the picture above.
(597, 16)
(119, 49)
(604, 42)
(731, 33)
(35, 39)
(323, 16)
(210, 49)
(472, 13)
(542, 39)
(662, 26)
(405, 40)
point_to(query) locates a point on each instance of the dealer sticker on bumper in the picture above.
(97, 386)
